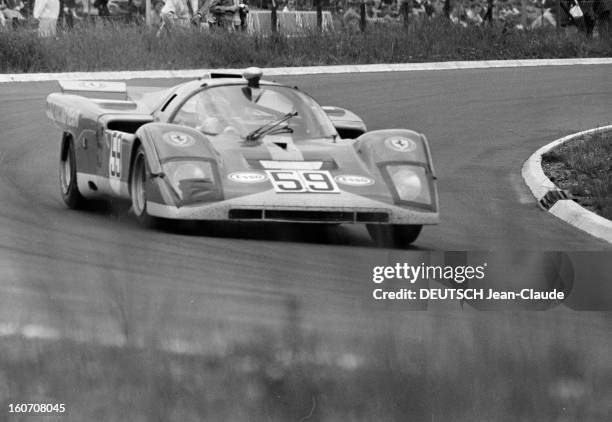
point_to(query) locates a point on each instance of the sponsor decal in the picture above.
(64, 115)
(247, 177)
(114, 160)
(178, 139)
(401, 144)
(354, 180)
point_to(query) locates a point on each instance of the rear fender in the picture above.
(77, 119)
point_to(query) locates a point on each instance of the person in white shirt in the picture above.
(473, 14)
(47, 12)
(179, 11)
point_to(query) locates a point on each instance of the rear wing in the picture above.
(95, 88)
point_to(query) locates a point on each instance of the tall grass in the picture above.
(584, 167)
(506, 367)
(427, 366)
(116, 46)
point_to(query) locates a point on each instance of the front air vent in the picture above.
(309, 216)
(372, 217)
(242, 214)
(349, 133)
(220, 75)
(267, 164)
(295, 215)
(127, 126)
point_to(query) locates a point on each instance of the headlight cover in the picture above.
(192, 181)
(411, 183)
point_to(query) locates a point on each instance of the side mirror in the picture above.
(347, 124)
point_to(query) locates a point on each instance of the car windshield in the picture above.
(241, 110)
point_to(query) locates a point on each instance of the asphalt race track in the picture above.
(68, 269)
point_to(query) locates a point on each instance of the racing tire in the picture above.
(400, 235)
(138, 189)
(68, 178)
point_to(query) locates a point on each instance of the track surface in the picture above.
(63, 268)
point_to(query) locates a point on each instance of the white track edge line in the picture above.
(308, 70)
(567, 210)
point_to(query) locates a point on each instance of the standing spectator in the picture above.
(222, 13)
(102, 6)
(372, 11)
(243, 12)
(597, 12)
(545, 17)
(46, 12)
(473, 14)
(181, 12)
(239, 17)
(459, 16)
(156, 18)
(351, 19)
(136, 11)
(12, 11)
(69, 13)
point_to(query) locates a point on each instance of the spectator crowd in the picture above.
(232, 14)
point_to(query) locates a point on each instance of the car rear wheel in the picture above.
(401, 235)
(68, 178)
(138, 188)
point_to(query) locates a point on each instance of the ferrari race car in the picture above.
(233, 147)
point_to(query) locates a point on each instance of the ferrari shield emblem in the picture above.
(179, 139)
(401, 144)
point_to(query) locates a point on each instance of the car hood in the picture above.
(339, 158)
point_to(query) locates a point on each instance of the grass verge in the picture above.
(113, 46)
(461, 366)
(584, 167)
(510, 367)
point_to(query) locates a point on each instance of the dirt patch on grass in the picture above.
(584, 168)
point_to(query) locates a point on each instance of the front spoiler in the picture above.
(307, 208)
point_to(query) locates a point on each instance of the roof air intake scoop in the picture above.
(253, 75)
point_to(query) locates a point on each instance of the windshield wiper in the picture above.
(272, 127)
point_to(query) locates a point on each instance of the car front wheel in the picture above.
(400, 235)
(138, 188)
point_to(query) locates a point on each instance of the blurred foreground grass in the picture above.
(584, 167)
(113, 46)
(460, 366)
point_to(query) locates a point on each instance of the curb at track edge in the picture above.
(308, 70)
(555, 200)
